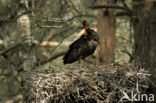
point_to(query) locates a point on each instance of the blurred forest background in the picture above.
(37, 33)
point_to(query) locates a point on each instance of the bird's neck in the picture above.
(85, 31)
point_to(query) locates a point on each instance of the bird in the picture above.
(82, 47)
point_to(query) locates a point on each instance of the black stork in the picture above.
(82, 47)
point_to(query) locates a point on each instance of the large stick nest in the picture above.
(80, 85)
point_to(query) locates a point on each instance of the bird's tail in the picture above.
(70, 57)
(65, 58)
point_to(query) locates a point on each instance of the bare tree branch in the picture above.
(122, 14)
(45, 26)
(110, 6)
(128, 53)
(12, 18)
(53, 57)
(93, 16)
(10, 48)
(56, 34)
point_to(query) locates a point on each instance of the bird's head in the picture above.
(85, 25)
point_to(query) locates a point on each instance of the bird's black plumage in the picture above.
(82, 47)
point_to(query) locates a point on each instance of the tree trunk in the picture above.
(24, 30)
(106, 30)
(145, 34)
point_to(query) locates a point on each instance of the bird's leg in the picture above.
(97, 63)
(97, 55)
(83, 62)
(79, 61)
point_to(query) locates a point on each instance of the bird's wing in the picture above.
(76, 51)
(94, 35)
(78, 42)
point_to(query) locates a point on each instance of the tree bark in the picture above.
(145, 34)
(106, 30)
(23, 21)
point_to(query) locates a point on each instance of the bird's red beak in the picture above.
(85, 31)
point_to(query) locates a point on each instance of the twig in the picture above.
(45, 26)
(10, 48)
(87, 85)
(12, 18)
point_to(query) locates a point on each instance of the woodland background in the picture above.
(37, 33)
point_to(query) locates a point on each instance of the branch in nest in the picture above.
(103, 85)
